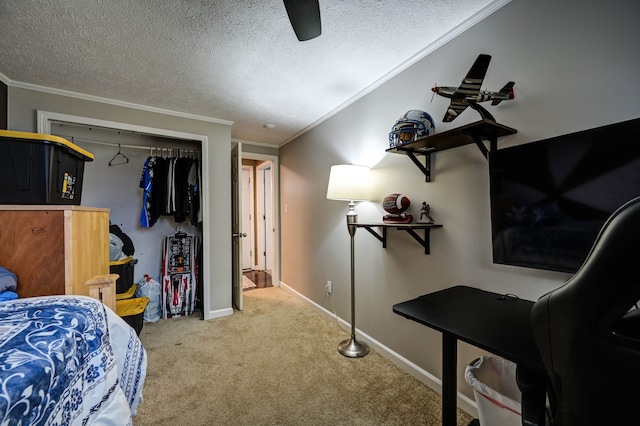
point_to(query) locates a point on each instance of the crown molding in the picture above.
(108, 101)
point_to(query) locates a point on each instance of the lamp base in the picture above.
(352, 348)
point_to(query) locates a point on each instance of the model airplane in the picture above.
(469, 93)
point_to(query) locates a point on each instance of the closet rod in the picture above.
(146, 148)
(73, 139)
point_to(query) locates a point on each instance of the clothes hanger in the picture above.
(180, 232)
(124, 159)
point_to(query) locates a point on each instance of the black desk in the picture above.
(493, 322)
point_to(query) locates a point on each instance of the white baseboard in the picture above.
(219, 313)
(465, 403)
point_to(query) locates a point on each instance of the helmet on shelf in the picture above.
(413, 125)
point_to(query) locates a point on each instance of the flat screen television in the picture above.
(549, 199)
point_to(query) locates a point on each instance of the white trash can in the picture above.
(493, 380)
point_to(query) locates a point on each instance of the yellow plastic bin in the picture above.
(128, 294)
(40, 169)
(132, 311)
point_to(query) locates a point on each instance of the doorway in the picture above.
(248, 217)
(262, 232)
(264, 201)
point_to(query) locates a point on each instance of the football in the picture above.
(395, 203)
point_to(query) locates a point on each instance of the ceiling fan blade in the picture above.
(305, 18)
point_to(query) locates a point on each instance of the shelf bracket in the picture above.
(424, 242)
(479, 142)
(382, 238)
(426, 168)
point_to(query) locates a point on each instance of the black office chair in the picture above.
(588, 330)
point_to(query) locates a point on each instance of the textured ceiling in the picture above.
(235, 60)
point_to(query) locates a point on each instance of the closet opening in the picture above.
(113, 180)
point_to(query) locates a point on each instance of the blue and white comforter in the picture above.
(67, 360)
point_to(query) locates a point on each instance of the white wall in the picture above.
(25, 102)
(575, 64)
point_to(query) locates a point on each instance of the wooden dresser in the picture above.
(54, 249)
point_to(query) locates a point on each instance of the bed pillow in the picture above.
(8, 295)
(8, 280)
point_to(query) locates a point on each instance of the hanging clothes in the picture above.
(145, 184)
(194, 193)
(181, 199)
(171, 186)
(179, 275)
(159, 188)
(171, 166)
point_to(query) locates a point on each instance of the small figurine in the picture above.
(424, 213)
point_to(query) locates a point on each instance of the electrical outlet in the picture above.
(328, 287)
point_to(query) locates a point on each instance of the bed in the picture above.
(68, 360)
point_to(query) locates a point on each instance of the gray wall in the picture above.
(23, 104)
(252, 148)
(575, 64)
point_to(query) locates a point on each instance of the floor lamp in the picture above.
(350, 183)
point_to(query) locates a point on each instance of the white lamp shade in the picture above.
(349, 182)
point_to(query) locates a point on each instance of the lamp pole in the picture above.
(351, 347)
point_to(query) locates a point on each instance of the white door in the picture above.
(236, 226)
(265, 216)
(268, 219)
(248, 247)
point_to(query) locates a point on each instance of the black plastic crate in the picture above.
(124, 268)
(132, 311)
(40, 169)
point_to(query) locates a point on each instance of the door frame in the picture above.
(275, 204)
(248, 224)
(264, 240)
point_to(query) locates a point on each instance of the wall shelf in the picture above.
(480, 132)
(410, 228)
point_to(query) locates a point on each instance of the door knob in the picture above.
(239, 234)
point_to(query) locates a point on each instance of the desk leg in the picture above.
(449, 379)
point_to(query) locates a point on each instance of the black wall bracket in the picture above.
(410, 228)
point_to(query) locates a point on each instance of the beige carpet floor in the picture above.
(275, 363)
